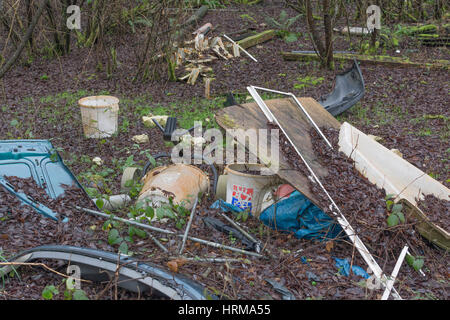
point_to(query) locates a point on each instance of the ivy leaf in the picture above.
(409, 259)
(49, 292)
(151, 160)
(418, 264)
(397, 208)
(392, 220)
(99, 203)
(113, 237)
(389, 204)
(149, 212)
(79, 294)
(291, 37)
(140, 233)
(401, 216)
(123, 248)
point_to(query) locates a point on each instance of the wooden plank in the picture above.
(256, 39)
(296, 125)
(388, 60)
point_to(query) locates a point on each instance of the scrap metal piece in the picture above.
(348, 90)
(39, 207)
(134, 276)
(188, 227)
(146, 226)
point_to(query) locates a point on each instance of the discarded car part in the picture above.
(39, 207)
(245, 51)
(134, 276)
(246, 190)
(271, 117)
(114, 202)
(396, 176)
(348, 90)
(360, 246)
(37, 159)
(286, 294)
(148, 227)
(99, 115)
(132, 174)
(391, 280)
(180, 181)
(188, 227)
(229, 231)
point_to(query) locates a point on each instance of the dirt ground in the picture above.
(407, 107)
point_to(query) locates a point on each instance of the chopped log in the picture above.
(257, 39)
(396, 61)
(207, 88)
(193, 76)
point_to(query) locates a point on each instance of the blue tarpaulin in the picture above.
(297, 214)
(343, 266)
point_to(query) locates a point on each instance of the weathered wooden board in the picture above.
(296, 125)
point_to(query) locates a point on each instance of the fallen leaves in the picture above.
(175, 264)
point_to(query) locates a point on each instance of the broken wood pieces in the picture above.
(391, 280)
(235, 44)
(208, 88)
(193, 76)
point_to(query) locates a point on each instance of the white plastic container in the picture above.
(99, 115)
(245, 190)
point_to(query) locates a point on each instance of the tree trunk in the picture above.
(25, 39)
(54, 26)
(312, 29)
(328, 34)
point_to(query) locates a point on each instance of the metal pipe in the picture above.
(188, 225)
(145, 226)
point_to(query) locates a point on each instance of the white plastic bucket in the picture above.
(99, 115)
(245, 190)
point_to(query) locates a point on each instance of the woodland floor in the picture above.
(407, 107)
